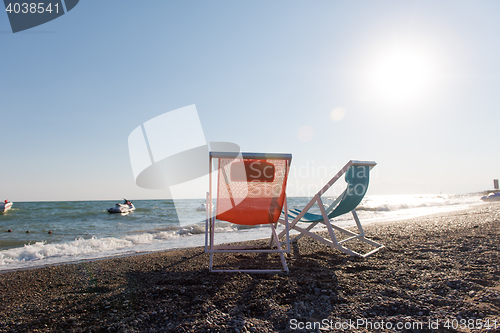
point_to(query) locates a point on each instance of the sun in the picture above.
(401, 75)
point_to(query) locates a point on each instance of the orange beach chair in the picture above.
(251, 190)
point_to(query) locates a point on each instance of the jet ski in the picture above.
(5, 206)
(491, 197)
(203, 207)
(124, 208)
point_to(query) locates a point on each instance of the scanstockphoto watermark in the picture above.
(414, 325)
(358, 324)
(308, 179)
(311, 169)
(26, 14)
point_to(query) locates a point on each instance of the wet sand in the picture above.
(436, 271)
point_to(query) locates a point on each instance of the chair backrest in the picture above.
(357, 178)
(251, 188)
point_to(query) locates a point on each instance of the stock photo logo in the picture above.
(25, 15)
(170, 150)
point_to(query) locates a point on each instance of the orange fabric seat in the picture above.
(248, 193)
(252, 211)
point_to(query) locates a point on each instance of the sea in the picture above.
(34, 234)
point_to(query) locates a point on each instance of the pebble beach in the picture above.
(438, 273)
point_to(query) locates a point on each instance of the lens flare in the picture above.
(338, 113)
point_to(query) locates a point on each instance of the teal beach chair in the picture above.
(357, 175)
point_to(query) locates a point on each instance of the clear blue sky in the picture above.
(416, 82)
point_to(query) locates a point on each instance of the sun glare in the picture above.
(401, 76)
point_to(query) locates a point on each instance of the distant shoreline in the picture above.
(203, 199)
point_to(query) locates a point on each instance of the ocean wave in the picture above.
(96, 245)
(383, 208)
(44, 250)
(391, 203)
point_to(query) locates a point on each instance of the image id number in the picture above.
(31, 8)
(471, 324)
